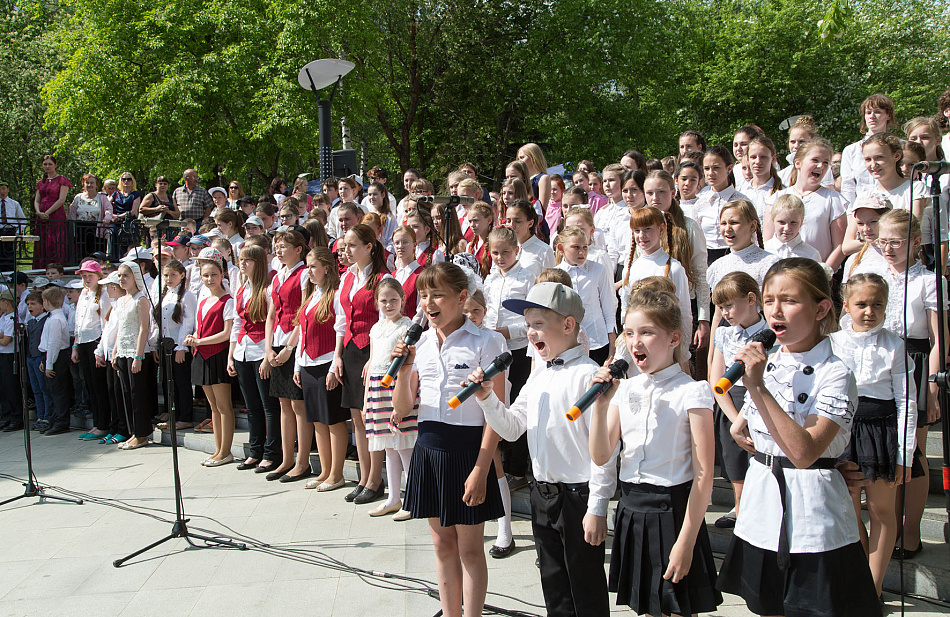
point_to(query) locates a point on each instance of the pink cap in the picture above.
(90, 266)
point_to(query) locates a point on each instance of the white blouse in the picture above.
(796, 247)
(921, 297)
(383, 337)
(90, 315)
(514, 284)
(655, 265)
(594, 284)
(172, 329)
(442, 368)
(820, 512)
(559, 448)
(706, 211)
(872, 262)
(822, 208)
(752, 260)
(876, 358)
(855, 178)
(535, 256)
(609, 219)
(654, 425)
(761, 197)
(126, 315)
(730, 339)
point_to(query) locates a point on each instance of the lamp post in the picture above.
(315, 76)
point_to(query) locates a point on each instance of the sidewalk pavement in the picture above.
(58, 557)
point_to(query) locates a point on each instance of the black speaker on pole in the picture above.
(344, 163)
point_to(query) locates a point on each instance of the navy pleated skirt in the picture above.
(443, 458)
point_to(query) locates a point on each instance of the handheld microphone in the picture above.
(933, 168)
(732, 375)
(497, 366)
(617, 371)
(412, 337)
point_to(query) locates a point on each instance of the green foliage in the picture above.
(157, 86)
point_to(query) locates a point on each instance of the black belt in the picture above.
(778, 465)
(549, 489)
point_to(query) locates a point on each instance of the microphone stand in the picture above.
(32, 485)
(167, 351)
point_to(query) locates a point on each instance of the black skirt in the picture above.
(734, 461)
(282, 380)
(646, 526)
(875, 440)
(210, 371)
(442, 460)
(354, 359)
(919, 351)
(321, 405)
(834, 583)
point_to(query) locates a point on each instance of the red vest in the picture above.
(209, 325)
(412, 295)
(361, 312)
(318, 338)
(286, 298)
(253, 329)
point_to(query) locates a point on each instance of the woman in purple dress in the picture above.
(48, 205)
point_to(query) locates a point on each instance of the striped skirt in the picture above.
(379, 411)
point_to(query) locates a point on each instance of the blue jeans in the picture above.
(40, 387)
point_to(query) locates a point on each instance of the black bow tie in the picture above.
(555, 362)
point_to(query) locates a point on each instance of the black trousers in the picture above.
(136, 391)
(96, 384)
(263, 412)
(184, 392)
(11, 402)
(117, 423)
(572, 571)
(515, 457)
(60, 390)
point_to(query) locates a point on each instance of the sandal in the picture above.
(204, 427)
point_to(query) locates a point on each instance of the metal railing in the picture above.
(65, 242)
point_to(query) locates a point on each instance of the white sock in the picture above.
(504, 523)
(393, 475)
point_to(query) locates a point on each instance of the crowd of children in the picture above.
(674, 266)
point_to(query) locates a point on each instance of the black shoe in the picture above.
(355, 492)
(537, 562)
(275, 475)
(726, 522)
(56, 430)
(906, 552)
(5, 424)
(351, 453)
(369, 495)
(12, 427)
(500, 552)
(301, 476)
(245, 465)
(265, 468)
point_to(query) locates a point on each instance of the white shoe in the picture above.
(211, 462)
(383, 509)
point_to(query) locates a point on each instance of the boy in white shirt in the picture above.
(788, 214)
(570, 494)
(54, 344)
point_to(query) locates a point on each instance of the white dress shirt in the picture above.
(170, 328)
(706, 212)
(437, 255)
(700, 291)
(55, 337)
(876, 358)
(654, 264)
(89, 315)
(599, 255)
(730, 339)
(246, 350)
(14, 211)
(822, 208)
(611, 219)
(855, 178)
(535, 255)
(921, 297)
(107, 341)
(820, 511)
(871, 262)
(6, 329)
(595, 286)
(762, 197)
(752, 260)
(442, 368)
(654, 425)
(796, 247)
(514, 284)
(559, 448)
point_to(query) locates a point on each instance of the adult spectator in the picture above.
(277, 188)
(12, 220)
(160, 202)
(235, 193)
(92, 213)
(48, 204)
(125, 208)
(192, 200)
